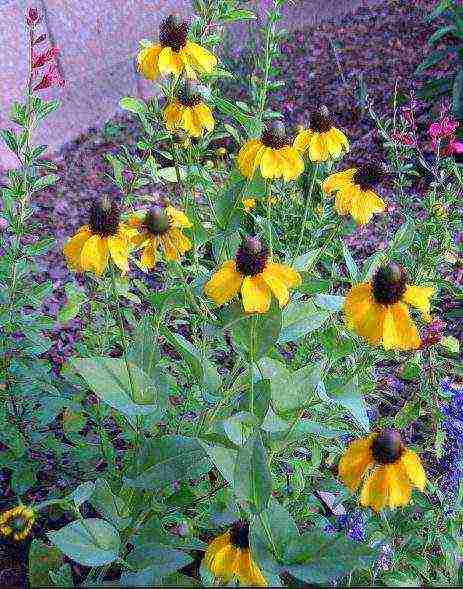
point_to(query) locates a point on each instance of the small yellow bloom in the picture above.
(378, 310)
(252, 274)
(249, 204)
(103, 238)
(17, 522)
(384, 467)
(321, 139)
(354, 194)
(189, 113)
(228, 557)
(160, 227)
(272, 154)
(175, 54)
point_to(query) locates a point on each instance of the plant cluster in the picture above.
(218, 429)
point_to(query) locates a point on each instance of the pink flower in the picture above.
(51, 78)
(41, 59)
(442, 129)
(405, 139)
(33, 17)
(454, 147)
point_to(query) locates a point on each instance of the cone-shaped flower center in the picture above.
(239, 535)
(387, 447)
(320, 120)
(251, 257)
(104, 217)
(188, 96)
(389, 284)
(274, 135)
(157, 221)
(173, 32)
(368, 176)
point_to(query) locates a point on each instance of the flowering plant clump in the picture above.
(250, 403)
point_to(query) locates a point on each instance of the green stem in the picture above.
(308, 200)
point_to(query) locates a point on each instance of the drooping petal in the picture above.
(118, 249)
(249, 157)
(375, 489)
(318, 148)
(175, 244)
(338, 180)
(173, 115)
(215, 546)
(419, 297)
(248, 573)
(276, 285)
(293, 165)
(72, 250)
(148, 257)
(225, 563)
(271, 163)
(399, 330)
(302, 140)
(148, 61)
(169, 62)
(363, 314)
(399, 488)
(94, 255)
(411, 463)
(191, 123)
(204, 114)
(256, 295)
(286, 274)
(341, 138)
(178, 218)
(344, 198)
(355, 462)
(364, 204)
(202, 59)
(224, 284)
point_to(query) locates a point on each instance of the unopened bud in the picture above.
(33, 17)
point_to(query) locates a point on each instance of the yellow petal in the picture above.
(72, 250)
(286, 274)
(339, 180)
(224, 284)
(418, 296)
(293, 165)
(318, 149)
(256, 295)
(215, 546)
(118, 250)
(363, 314)
(411, 463)
(173, 115)
(249, 157)
(201, 58)
(95, 254)
(276, 285)
(204, 115)
(148, 61)
(175, 244)
(364, 204)
(302, 140)
(178, 218)
(399, 488)
(148, 257)
(191, 123)
(375, 489)
(399, 331)
(249, 204)
(169, 62)
(248, 573)
(340, 137)
(271, 164)
(355, 462)
(224, 563)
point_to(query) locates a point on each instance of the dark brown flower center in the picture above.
(104, 217)
(157, 221)
(187, 96)
(387, 447)
(173, 32)
(251, 257)
(320, 120)
(239, 534)
(368, 176)
(389, 284)
(274, 136)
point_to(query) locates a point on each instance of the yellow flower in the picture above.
(160, 226)
(385, 468)
(272, 154)
(175, 54)
(228, 557)
(189, 113)
(354, 194)
(252, 274)
(321, 139)
(378, 310)
(17, 522)
(249, 204)
(104, 237)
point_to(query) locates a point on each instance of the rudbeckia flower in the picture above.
(354, 192)
(249, 204)
(103, 238)
(272, 154)
(175, 54)
(378, 310)
(321, 139)
(255, 276)
(385, 469)
(17, 522)
(160, 227)
(189, 113)
(228, 557)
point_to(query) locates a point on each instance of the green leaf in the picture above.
(24, 477)
(283, 530)
(134, 105)
(169, 174)
(42, 560)
(239, 427)
(305, 262)
(224, 459)
(44, 181)
(10, 139)
(330, 302)
(350, 263)
(109, 379)
(299, 319)
(253, 480)
(110, 506)
(348, 396)
(403, 237)
(256, 334)
(91, 542)
(157, 561)
(167, 459)
(202, 367)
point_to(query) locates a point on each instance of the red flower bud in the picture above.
(33, 17)
(42, 58)
(51, 78)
